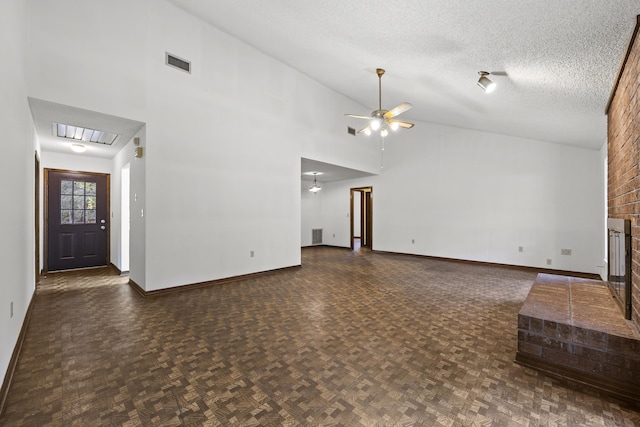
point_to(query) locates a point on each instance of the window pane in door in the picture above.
(77, 202)
(78, 187)
(65, 216)
(78, 217)
(90, 202)
(66, 187)
(66, 202)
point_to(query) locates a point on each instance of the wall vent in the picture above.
(316, 236)
(178, 63)
(351, 131)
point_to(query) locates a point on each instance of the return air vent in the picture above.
(176, 62)
(316, 236)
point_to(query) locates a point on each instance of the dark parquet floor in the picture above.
(348, 339)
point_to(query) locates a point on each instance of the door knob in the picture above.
(102, 227)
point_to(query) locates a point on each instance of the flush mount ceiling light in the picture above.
(381, 120)
(315, 187)
(78, 148)
(83, 134)
(485, 83)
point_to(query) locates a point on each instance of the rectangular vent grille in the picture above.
(316, 236)
(351, 130)
(178, 63)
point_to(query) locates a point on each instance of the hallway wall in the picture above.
(17, 216)
(223, 144)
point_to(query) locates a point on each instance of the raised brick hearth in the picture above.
(573, 328)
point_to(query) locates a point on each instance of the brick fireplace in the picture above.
(623, 149)
(572, 328)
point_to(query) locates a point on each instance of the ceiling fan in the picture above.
(383, 120)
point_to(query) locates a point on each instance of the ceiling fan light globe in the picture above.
(367, 131)
(384, 132)
(394, 125)
(376, 123)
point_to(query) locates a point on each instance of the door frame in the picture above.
(45, 253)
(366, 215)
(37, 216)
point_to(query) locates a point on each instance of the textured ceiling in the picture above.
(556, 60)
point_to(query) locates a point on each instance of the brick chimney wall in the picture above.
(623, 147)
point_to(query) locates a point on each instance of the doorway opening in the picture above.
(361, 213)
(124, 218)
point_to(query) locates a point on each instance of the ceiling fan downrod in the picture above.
(379, 72)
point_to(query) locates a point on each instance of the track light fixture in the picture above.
(485, 83)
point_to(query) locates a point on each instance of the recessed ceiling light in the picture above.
(78, 133)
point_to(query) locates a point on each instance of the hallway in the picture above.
(350, 338)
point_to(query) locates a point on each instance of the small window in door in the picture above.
(77, 202)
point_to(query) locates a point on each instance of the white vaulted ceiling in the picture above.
(556, 60)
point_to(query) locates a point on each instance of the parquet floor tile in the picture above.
(349, 339)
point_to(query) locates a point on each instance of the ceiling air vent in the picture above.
(176, 62)
(351, 130)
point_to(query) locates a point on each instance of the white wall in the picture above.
(17, 216)
(221, 170)
(479, 196)
(75, 162)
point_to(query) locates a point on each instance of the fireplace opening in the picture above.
(619, 274)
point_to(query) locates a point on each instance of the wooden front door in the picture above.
(77, 219)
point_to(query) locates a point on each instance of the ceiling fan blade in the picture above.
(401, 124)
(397, 110)
(358, 117)
(365, 129)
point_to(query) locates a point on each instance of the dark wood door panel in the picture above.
(77, 220)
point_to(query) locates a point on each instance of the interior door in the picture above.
(77, 219)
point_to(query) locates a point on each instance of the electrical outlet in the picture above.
(251, 254)
(565, 251)
(520, 249)
(548, 261)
